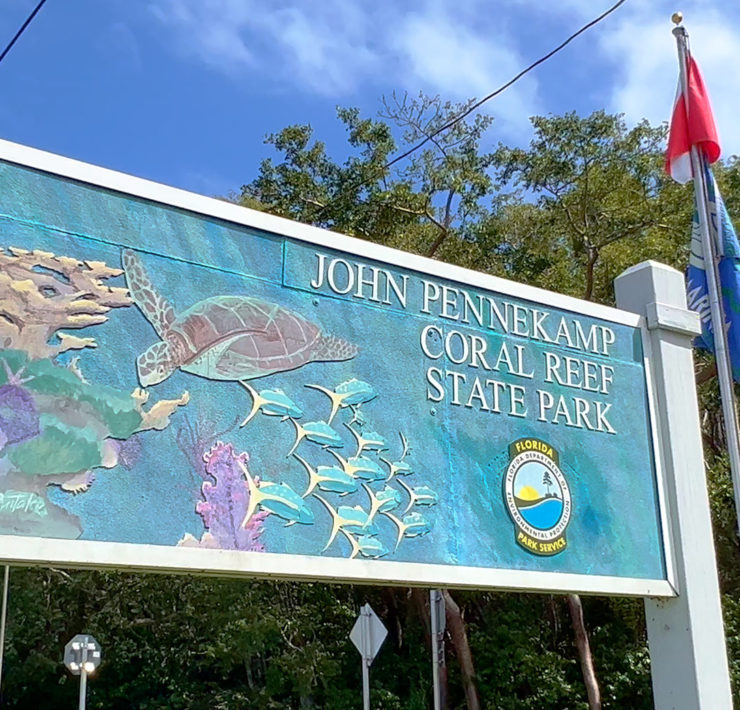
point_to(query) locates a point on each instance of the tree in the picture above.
(418, 206)
(547, 481)
(601, 198)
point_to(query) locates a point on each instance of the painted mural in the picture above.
(171, 379)
(59, 429)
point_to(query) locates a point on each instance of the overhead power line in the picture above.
(505, 86)
(22, 29)
(452, 122)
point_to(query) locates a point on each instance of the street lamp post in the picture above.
(82, 657)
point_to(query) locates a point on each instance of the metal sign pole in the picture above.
(83, 689)
(366, 658)
(433, 602)
(365, 684)
(83, 679)
(367, 635)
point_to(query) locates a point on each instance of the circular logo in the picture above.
(538, 499)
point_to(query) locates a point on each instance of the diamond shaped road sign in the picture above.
(82, 653)
(368, 633)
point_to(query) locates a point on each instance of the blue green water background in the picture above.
(460, 453)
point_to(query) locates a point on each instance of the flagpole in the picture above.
(719, 333)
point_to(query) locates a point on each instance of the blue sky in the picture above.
(184, 91)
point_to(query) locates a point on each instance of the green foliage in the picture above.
(522, 661)
(189, 642)
(417, 206)
(601, 197)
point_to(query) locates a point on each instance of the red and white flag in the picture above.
(697, 128)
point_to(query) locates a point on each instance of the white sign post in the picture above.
(367, 635)
(688, 656)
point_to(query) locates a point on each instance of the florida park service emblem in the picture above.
(537, 497)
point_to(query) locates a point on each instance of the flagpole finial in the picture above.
(677, 18)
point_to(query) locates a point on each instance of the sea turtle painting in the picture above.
(225, 337)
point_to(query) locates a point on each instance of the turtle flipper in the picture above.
(333, 348)
(155, 308)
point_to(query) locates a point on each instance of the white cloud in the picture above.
(644, 54)
(443, 55)
(340, 49)
(326, 52)
(320, 48)
(337, 48)
(209, 29)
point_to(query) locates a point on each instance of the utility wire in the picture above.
(505, 86)
(22, 29)
(493, 94)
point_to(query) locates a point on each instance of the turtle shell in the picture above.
(234, 337)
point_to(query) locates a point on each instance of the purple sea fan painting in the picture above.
(19, 419)
(224, 505)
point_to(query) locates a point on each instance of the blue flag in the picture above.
(727, 247)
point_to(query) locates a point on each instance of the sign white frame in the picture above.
(87, 554)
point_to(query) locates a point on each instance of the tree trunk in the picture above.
(421, 606)
(584, 652)
(593, 256)
(393, 618)
(706, 373)
(459, 638)
(437, 243)
(443, 684)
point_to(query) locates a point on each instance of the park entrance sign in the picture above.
(192, 386)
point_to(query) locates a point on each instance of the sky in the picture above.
(184, 92)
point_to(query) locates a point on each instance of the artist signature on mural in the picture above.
(23, 501)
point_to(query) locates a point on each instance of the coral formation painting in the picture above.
(57, 427)
(172, 379)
